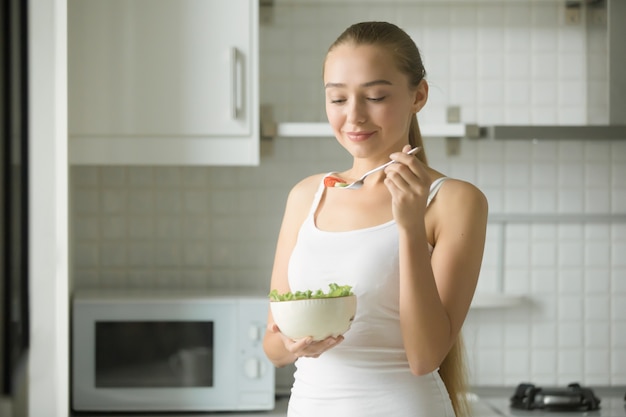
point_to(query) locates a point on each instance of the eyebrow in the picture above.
(367, 84)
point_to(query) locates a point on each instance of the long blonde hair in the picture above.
(408, 60)
(454, 373)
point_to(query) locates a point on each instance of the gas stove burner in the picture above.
(572, 398)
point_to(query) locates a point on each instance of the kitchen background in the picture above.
(557, 234)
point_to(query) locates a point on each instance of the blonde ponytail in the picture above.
(453, 371)
(415, 139)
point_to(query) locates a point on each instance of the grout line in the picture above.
(505, 218)
(501, 258)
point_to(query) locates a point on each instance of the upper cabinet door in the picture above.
(147, 72)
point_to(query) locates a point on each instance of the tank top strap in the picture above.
(434, 188)
(318, 195)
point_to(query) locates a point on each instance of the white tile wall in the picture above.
(510, 62)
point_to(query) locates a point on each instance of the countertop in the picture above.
(609, 407)
(486, 402)
(280, 410)
(494, 402)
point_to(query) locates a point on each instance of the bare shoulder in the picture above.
(306, 187)
(463, 192)
(460, 201)
(302, 194)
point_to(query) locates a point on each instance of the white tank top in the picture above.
(368, 373)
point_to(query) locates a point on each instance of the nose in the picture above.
(356, 112)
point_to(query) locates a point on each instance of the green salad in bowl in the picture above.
(335, 291)
(315, 314)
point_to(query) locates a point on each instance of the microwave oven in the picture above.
(153, 351)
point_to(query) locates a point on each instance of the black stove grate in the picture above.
(572, 398)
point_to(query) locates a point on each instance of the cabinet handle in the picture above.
(237, 81)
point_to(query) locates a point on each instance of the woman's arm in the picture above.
(435, 291)
(294, 215)
(278, 348)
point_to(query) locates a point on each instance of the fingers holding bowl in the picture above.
(309, 348)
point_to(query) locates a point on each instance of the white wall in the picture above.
(48, 368)
(516, 63)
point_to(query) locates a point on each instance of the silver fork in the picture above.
(359, 183)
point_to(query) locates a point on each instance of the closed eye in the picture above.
(343, 100)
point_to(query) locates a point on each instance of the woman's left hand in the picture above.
(408, 182)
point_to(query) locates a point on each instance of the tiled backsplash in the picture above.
(208, 227)
(511, 62)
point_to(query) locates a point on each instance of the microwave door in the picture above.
(157, 357)
(154, 354)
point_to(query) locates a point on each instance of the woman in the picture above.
(413, 260)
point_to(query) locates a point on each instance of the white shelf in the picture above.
(324, 130)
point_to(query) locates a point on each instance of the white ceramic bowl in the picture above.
(316, 317)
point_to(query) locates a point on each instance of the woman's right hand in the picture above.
(305, 347)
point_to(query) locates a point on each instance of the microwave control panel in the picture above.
(256, 371)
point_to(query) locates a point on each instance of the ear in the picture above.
(420, 96)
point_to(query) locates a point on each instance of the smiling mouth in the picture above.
(358, 136)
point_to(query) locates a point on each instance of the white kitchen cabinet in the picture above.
(172, 82)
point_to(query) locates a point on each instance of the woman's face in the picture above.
(369, 103)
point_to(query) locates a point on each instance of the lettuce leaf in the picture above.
(334, 291)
